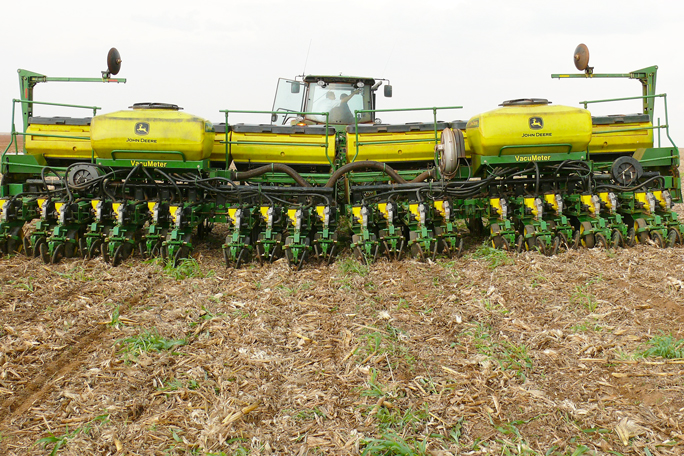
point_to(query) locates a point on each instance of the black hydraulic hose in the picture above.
(356, 166)
(149, 176)
(273, 167)
(629, 189)
(130, 174)
(172, 181)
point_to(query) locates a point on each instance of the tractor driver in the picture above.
(340, 113)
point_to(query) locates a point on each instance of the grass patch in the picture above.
(187, 268)
(494, 257)
(388, 341)
(393, 444)
(583, 296)
(149, 341)
(664, 346)
(350, 265)
(59, 441)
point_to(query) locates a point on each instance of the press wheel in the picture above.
(576, 242)
(44, 251)
(642, 236)
(556, 245)
(58, 254)
(183, 253)
(15, 245)
(520, 243)
(672, 238)
(658, 239)
(104, 249)
(601, 240)
(616, 239)
(95, 249)
(631, 238)
(121, 253)
(28, 251)
(541, 246)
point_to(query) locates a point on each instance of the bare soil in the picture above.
(492, 353)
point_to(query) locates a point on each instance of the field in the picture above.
(492, 353)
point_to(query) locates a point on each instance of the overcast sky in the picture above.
(209, 55)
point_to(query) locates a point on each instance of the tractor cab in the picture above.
(306, 100)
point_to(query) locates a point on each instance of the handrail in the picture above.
(15, 133)
(65, 105)
(642, 97)
(262, 143)
(363, 111)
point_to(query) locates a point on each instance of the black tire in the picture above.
(556, 246)
(589, 241)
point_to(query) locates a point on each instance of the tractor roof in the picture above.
(339, 78)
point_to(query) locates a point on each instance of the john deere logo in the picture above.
(536, 123)
(142, 128)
